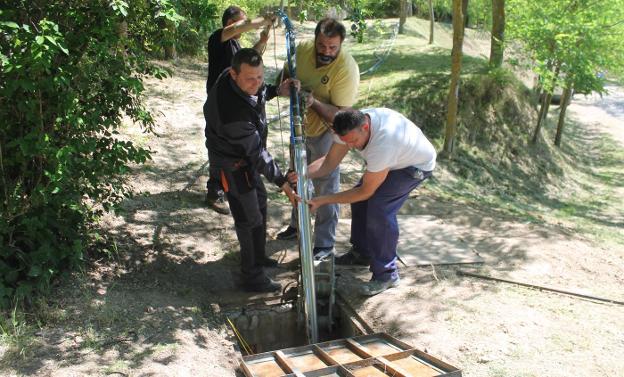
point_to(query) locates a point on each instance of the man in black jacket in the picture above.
(236, 132)
(222, 45)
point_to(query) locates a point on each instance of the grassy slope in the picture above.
(495, 166)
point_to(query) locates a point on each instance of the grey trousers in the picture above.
(326, 216)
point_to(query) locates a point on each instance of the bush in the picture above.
(68, 77)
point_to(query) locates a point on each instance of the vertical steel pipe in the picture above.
(297, 140)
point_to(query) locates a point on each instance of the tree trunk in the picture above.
(545, 103)
(431, 21)
(169, 44)
(453, 96)
(402, 15)
(122, 33)
(565, 101)
(464, 6)
(410, 8)
(557, 70)
(542, 116)
(498, 33)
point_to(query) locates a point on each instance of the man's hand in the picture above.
(292, 196)
(292, 177)
(309, 98)
(315, 203)
(264, 34)
(284, 88)
(269, 19)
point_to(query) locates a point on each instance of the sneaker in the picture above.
(322, 252)
(268, 286)
(289, 233)
(218, 204)
(374, 287)
(351, 258)
(267, 262)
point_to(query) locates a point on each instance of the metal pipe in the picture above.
(541, 288)
(297, 140)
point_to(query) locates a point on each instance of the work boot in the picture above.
(267, 286)
(375, 287)
(217, 203)
(267, 262)
(289, 233)
(352, 258)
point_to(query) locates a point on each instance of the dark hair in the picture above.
(330, 27)
(231, 12)
(348, 120)
(248, 56)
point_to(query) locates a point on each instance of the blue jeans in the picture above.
(374, 226)
(326, 216)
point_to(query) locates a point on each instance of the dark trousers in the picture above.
(247, 198)
(374, 226)
(213, 186)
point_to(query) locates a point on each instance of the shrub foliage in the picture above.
(69, 76)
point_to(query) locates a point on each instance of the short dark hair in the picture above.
(330, 27)
(347, 120)
(248, 56)
(231, 12)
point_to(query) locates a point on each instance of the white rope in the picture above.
(387, 45)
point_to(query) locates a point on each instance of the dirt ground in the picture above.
(156, 310)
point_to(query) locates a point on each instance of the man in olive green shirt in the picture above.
(332, 77)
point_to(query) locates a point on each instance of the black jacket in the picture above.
(220, 56)
(236, 129)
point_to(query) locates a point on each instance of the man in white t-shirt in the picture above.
(398, 159)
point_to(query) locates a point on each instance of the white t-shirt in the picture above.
(395, 143)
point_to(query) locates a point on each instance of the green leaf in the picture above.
(39, 39)
(10, 24)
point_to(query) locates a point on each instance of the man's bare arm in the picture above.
(326, 111)
(326, 164)
(243, 26)
(370, 183)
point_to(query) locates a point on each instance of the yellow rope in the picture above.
(240, 338)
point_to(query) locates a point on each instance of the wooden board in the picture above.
(306, 362)
(269, 368)
(379, 347)
(415, 367)
(342, 354)
(361, 356)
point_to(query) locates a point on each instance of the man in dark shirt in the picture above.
(236, 138)
(222, 45)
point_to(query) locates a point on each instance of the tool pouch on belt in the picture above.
(243, 180)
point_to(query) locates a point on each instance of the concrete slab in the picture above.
(423, 240)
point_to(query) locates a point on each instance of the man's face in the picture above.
(357, 138)
(241, 16)
(249, 79)
(327, 48)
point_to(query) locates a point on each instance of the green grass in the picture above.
(16, 333)
(494, 165)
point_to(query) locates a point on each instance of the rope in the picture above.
(240, 338)
(387, 46)
(279, 114)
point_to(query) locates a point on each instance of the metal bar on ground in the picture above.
(594, 298)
